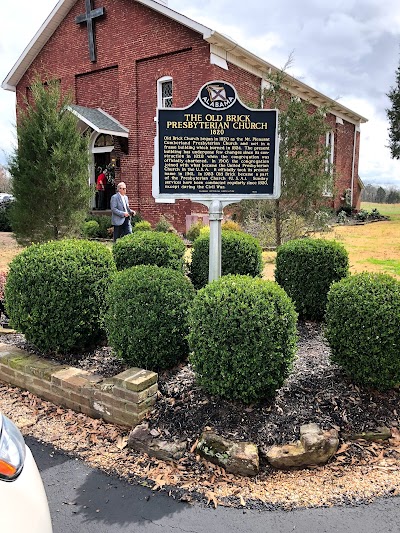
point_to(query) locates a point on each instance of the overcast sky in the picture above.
(346, 49)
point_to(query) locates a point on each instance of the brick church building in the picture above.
(123, 59)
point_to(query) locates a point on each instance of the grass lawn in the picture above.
(373, 247)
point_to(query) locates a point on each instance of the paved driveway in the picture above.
(84, 500)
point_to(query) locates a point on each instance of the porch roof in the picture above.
(99, 120)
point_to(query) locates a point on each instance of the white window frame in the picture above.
(330, 142)
(160, 99)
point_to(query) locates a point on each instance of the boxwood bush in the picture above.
(194, 231)
(363, 328)
(90, 229)
(242, 337)
(142, 225)
(306, 268)
(104, 225)
(149, 248)
(54, 293)
(240, 254)
(147, 316)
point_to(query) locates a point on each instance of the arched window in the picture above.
(104, 140)
(164, 92)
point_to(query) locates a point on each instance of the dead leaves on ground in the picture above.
(380, 454)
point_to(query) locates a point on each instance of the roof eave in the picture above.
(178, 17)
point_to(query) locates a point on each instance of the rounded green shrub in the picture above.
(105, 226)
(242, 337)
(54, 293)
(306, 268)
(142, 225)
(90, 229)
(163, 225)
(240, 254)
(149, 248)
(194, 231)
(147, 316)
(363, 328)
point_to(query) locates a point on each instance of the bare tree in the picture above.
(5, 181)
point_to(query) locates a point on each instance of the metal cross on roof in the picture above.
(89, 17)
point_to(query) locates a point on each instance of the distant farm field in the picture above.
(391, 210)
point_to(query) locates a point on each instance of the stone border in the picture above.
(124, 399)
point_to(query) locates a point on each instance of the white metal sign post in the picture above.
(215, 213)
(217, 151)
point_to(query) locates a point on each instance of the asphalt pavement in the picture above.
(86, 500)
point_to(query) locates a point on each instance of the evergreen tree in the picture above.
(49, 168)
(393, 115)
(368, 194)
(380, 195)
(393, 196)
(303, 155)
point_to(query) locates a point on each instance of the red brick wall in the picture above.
(135, 47)
(106, 94)
(344, 139)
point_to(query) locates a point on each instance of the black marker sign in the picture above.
(216, 148)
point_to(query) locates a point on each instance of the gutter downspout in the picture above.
(353, 164)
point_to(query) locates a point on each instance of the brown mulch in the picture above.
(316, 391)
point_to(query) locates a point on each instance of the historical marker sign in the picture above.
(217, 148)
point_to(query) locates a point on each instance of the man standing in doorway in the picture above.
(101, 189)
(121, 212)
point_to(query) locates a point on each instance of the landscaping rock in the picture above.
(315, 447)
(143, 440)
(240, 458)
(6, 331)
(382, 433)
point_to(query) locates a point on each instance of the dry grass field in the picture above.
(374, 247)
(8, 249)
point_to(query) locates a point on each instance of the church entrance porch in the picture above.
(104, 163)
(108, 140)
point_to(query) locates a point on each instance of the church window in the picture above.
(104, 140)
(330, 144)
(165, 92)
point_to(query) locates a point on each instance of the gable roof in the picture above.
(99, 120)
(220, 45)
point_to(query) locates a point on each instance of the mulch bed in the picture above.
(317, 391)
